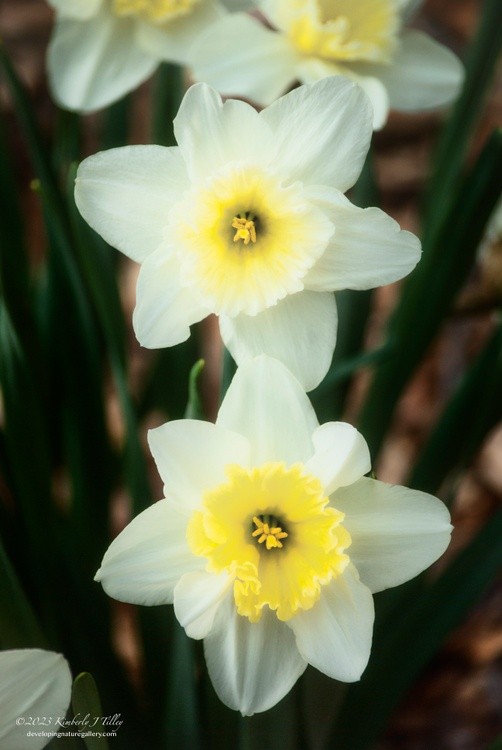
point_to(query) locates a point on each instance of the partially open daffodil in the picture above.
(271, 541)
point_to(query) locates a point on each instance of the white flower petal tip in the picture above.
(197, 597)
(404, 69)
(299, 331)
(33, 682)
(124, 195)
(341, 455)
(331, 116)
(145, 561)
(396, 532)
(192, 455)
(268, 405)
(252, 668)
(335, 635)
(427, 75)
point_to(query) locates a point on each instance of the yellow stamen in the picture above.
(246, 230)
(271, 535)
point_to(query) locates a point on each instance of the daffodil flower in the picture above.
(271, 541)
(246, 218)
(102, 49)
(364, 40)
(33, 683)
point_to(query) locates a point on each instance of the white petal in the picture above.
(174, 40)
(191, 457)
(76, 8)
(341, 455)
(268, 405)
(125, 194)
(251, 665)
(312, 69)
(300, 331)
(211, 134)
(368, 248)
(424, 74)
(197, 597)
(145, 561)
(396, 532)
(322, 132)
(164, 310)
(378, 96)
(335, 635)
(33, 683)
(93, 63)
(240, 57)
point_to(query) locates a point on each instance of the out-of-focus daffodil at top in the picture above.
(246, 218)
(271, 541)
(33, 683)
(311, 39)
(102, 49)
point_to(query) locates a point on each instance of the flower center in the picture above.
(158, 11)
(268, 532)
(271, 528)
(245, 240)
(346, 30)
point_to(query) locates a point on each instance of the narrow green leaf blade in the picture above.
(88, 713)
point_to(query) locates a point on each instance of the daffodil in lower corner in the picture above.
(33, 683)
(306, 40)
(271, 541)
(101, 50)
(246, 218)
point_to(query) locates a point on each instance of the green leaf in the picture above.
(413, 637)
(278, 727)
(473, 410)
(182, 722)
(195, 409)
(353, 312)
(115, 124)
(167, 92)
(449, 158)
(88, 713)
(18, 625)
(429, 293)
(497, 745)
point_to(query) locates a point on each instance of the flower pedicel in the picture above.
(271, 541)
(246, 218)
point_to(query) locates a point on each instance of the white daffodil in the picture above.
(102, 49)
(272, 541)
(246, 218)
(33, 683)
(311, 39)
